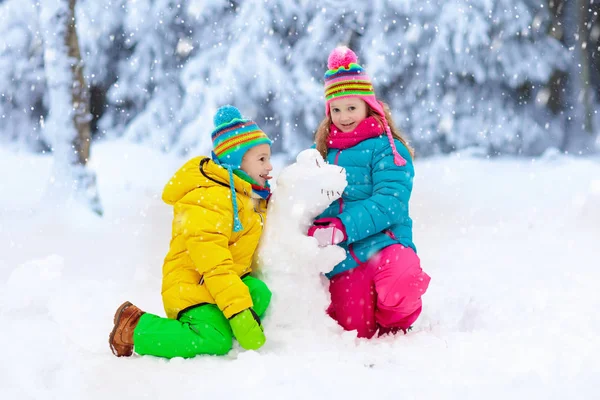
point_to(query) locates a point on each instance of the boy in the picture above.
(219, 209)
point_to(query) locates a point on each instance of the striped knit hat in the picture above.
(233, 136)
(346, 78)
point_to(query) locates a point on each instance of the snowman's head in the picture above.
(311, 183)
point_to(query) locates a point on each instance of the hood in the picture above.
(190, 176)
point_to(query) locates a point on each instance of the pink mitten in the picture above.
(328, 231)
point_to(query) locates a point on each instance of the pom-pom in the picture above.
(226, 114)
(341, 57)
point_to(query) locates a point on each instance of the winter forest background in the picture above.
(505, 76)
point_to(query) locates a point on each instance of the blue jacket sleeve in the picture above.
(388, 205)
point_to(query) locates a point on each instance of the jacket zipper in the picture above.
(340, 200)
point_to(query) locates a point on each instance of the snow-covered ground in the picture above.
(512, 311)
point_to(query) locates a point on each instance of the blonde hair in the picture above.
(322, 133)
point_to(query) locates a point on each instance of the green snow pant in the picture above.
(199, 330)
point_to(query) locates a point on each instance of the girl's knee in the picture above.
(394, 289)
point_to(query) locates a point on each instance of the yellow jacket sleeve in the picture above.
(207, 217)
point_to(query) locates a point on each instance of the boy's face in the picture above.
(257, 163)
(347, 113)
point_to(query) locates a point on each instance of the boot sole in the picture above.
(117, 317)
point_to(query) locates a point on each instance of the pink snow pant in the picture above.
(384, 293)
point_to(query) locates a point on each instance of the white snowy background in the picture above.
(512, 311)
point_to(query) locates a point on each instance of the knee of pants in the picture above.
(260, 294)
(220, 342)
(394, 289)
(211, 327)
(353, 301)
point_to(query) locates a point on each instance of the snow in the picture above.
(511, 312)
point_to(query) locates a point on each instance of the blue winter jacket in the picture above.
(374, 205)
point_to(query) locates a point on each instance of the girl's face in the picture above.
(348, 112)
(257, 163)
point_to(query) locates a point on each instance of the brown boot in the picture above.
(121, 337)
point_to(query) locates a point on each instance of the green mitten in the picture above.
(247, 329)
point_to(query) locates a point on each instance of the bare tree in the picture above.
(67, 127)
(573, 24)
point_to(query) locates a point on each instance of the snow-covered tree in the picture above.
(22, 83)
(459, 73)
(104, 45)
(144, 99)
(67, 126)
(243, 59)
(189, 58)
(574, 20)
(482, 81)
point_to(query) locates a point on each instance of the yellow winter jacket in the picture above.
(206, 258)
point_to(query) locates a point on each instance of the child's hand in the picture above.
(328, 231)
(247, 329)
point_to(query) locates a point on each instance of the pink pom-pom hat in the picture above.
(341, 57)
(346, 78)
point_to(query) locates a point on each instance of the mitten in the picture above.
(328, 231)
(247, 329)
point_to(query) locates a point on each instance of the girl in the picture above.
(378, 287)
(208, 295)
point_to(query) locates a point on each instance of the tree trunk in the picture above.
(80, 93)
(579, 128)
(67, 128)
(585, 77)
